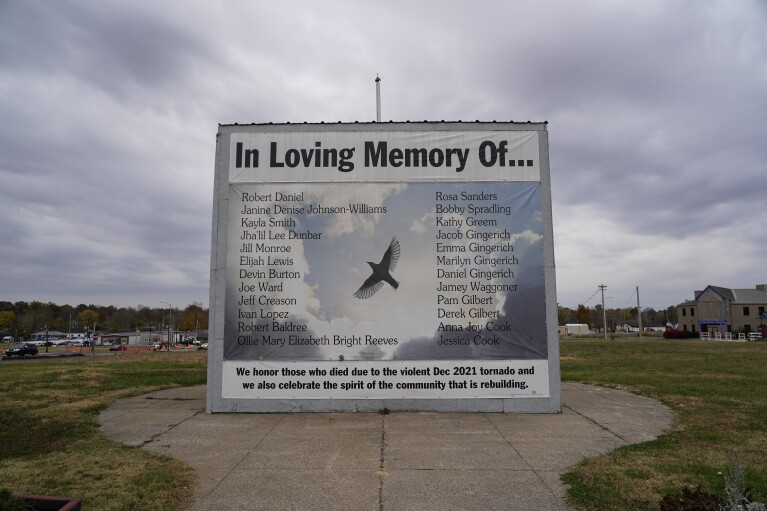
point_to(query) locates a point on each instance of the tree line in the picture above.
(22, 319)
(593, 316)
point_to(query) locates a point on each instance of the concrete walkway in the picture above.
(366, 461)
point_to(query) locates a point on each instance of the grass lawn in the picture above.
(50, 442)
(719, 391)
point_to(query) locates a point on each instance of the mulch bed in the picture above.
(689, 500)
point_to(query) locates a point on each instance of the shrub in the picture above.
(738, 495)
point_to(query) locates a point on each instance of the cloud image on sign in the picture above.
(381, 272)
(327, 271)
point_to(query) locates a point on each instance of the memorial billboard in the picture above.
(408, 264)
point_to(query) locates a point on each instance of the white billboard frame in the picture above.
(220, 395)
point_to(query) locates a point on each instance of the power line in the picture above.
(590, 297)
(628, 299)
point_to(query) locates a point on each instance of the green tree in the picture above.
(35, 318)
(88, 317)
(7, 320)
(122, 319)
(597, 318)
(671, 314)
(193, 317)
(627, 314)
(583, 315)
(565, 315)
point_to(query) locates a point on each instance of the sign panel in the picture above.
(381, 265)
(384, 380)
(363, 156)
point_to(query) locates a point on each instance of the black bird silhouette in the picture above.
(381, 272)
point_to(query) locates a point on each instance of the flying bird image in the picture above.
(381, 272)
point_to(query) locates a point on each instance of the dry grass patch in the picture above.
(51, 440)
(109, 476)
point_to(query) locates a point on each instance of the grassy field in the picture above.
(50, 442)
(719, 391)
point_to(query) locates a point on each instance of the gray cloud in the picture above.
(110, 109)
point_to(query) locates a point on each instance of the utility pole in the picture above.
(602, 288)
(378, 99)
(170, 320)
(639, 315)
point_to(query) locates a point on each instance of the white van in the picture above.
(7, 338)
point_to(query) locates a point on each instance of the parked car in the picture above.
(21, 348)
(7, 338)
(118, 347)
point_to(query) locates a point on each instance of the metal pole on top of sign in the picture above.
(378, 99)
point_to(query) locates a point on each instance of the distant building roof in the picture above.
(51, 333)
(741, 295)
(749, 296)
(737, 296)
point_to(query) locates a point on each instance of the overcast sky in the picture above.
(657, 116)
